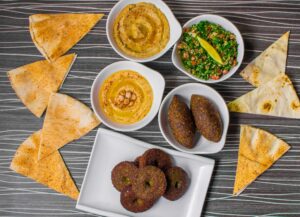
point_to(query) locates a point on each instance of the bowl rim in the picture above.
(191, 151)
(139, 124)
(169, 45)
(231, 72)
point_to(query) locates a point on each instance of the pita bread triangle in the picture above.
(33, 83)
(269, 63)
(55, 34)
(66, 119)
(276, 98)
(258, 151)
(50, 171)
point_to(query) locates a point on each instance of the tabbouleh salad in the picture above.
(196, 59)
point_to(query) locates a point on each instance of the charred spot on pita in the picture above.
(295, 105)
(267, 106)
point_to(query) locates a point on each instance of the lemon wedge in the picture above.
(210, 50)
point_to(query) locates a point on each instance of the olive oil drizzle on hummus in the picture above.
(141, 30)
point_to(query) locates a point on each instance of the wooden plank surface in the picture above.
(276, 193)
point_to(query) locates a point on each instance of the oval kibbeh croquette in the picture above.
(181, 122)
(155, 157)
(207, 118)
(150, 183)
(177, 183)
(132, 203)
(123, 175)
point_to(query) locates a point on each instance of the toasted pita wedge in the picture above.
(33, 83)
(55, 34)
(50, 171)
(258, 151)
(66, 119)
(269, 63)
(276, 98)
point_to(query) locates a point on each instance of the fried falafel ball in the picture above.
(132, 203)
(155, 157)
(123, 175)
(177, 183)
(150, 183)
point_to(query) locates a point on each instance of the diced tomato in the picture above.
(225, 72)
(193, 62)
(215, 77)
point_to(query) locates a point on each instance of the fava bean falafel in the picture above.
(150, 183)
(123, 175)
(155, 157)
(132, 203)
(136, 161)
(177, 183)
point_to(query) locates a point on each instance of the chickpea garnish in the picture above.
(121, 98)
(133, 97)
(128, 94)
(126, 101)
(125, 98)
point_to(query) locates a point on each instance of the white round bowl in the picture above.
(175, 28)
(202, 145)
(226, 24)
(154, 78)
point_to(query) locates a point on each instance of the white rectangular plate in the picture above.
(110, 148)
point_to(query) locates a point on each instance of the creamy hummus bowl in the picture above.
(126, 96)
(139, 37)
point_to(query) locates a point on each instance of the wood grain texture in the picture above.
(276, 193)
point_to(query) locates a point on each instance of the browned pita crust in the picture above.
(66, 119)
(258, 151)
(55, 34)
(51, 171)
(33, 83)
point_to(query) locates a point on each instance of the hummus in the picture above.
(141, 30)
(125, 97)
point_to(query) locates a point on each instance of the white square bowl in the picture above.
(226, 24)
(202, 145)
(98, 195)
(156, 81)
(175, 28)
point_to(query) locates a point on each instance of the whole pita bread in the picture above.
(51, 171)
(66, 119)
(33, 83)
(269, 63)
(276, 98)
(258, 151)
(55, 34)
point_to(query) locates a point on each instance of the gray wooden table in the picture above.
(276, 193)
